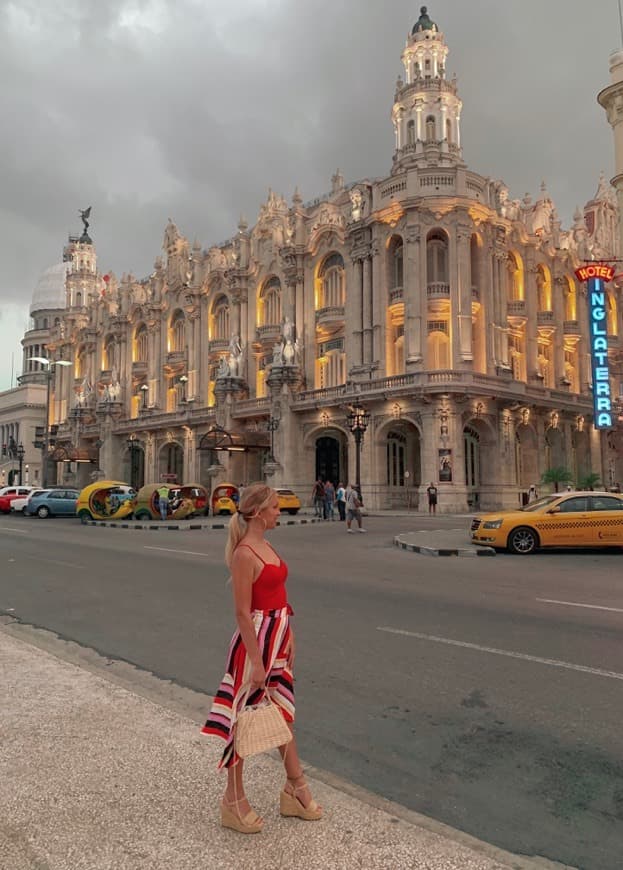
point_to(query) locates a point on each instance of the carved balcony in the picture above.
(218, 345)
(333, 315)
(176, 357)
(139, 368)
(572, 328)
(395, 295)
(545, 318)
(517, 312)
(269, 334)
(438, 290)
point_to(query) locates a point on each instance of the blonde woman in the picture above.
(261, 655)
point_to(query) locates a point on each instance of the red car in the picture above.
(8, 493)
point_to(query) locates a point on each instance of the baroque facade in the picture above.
(430, 298)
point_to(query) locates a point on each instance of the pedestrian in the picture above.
(163, 501)
(431, 492)
(261, 657)
(341, 501)
(318, 498)
(353, 509)
(329, 501)
(532, 494)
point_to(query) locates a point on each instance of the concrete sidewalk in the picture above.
(441, 542)
(96, 777)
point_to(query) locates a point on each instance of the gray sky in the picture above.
(147, 109)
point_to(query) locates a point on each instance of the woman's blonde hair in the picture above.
(255, 498)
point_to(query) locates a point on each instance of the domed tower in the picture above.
(82, 278)
(427, 110)
(46, 311)
(611, 99)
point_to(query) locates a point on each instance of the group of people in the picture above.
(325, 497)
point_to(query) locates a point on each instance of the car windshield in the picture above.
(541, 503)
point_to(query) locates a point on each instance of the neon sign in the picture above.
(595, 275)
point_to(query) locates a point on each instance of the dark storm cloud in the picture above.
(192, 108)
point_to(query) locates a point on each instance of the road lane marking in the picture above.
(171, 550)
(9, 529)
(613, 675)
(577, 604)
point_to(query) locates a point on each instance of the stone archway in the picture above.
(329, 459)
(527, 456)
(400, 462)
(556, 453)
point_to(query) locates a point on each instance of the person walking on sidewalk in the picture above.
(341, 501)
(329, 501)
(353, 509)
(261, 658)
(431, 492)
(318, 499)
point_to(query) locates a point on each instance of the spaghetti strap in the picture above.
(253, 551)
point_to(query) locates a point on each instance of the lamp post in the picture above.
(358, 420)
(272, 424)
(98, 446)
(50, 364)
(20, 452)
(144, 391)
(183, 380)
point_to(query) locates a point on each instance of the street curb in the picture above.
(192, 527)
(442, 551)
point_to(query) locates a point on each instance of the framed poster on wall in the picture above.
(445, 465)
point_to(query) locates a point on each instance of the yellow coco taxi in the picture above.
(289, 502)
(572, 519)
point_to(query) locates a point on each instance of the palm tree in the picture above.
(557, 475)
(589, 481)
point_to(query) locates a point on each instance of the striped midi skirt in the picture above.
(272, 629)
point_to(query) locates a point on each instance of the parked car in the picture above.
(53, 503)
(106, 500)
(18, 504)
(9, 493)
(189, 500)
(572, 519)
(225, 499)
(288, 501)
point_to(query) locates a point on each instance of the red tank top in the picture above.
(269, 588)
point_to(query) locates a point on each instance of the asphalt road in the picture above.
(486, 693)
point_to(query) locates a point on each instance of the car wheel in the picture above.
(43, 512)
(523, 540)
(84, 515)
(142, 515)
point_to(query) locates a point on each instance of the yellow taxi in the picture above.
(289, 502)
(570, 519)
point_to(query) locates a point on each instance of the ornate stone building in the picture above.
(445, 309)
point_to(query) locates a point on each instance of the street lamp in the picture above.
(144, 391)
(20, 452)
(183, 380)
(44, 361)
(358, 421)
(98, 446)
(272, 424)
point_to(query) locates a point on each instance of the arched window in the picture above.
(438, 346)
(270, 303)
(437, 257)
(431, 135)
(331, 282)
(140, 344)
(516, 277)
(544, 288)
(411, 133)
(110, 354)
(177, 333)
(220, 319)
(396, 263)
(613, 328)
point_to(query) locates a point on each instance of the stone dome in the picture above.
(50, 290)
(424, 22)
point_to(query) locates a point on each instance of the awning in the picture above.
(69, 453)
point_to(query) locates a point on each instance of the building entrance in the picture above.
(328, 459)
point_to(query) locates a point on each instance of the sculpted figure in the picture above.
(277, 355)
(223, 369)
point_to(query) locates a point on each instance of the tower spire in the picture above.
(427, 110)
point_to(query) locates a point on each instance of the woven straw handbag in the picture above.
(260, 727)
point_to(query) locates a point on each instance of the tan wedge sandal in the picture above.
(291, 805)
(250, 824)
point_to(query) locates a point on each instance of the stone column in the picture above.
(532, 343)
(367, 351)
(354, 314)
(414, 295)
(460, 256)
(379, 306)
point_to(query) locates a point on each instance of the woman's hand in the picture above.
(291, 650)
(258, 676)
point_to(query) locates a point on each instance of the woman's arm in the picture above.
(242, 576)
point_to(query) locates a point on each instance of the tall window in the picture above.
(332, 282)
(613, 328)
(544, 288)
(438, 346)
(396, 264)
(110, 356)
(270, 303)
(516, 349)
(515, 271)
(411, 133)
(570, 301)
(220, 319)
(331, 364)
(177, 337)
(396, 459)
(437, 257)
(140, 344)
